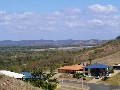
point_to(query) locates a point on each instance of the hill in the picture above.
(28, 60)
(52, 43)
(107, 52)
(7, 83)
(110, 59)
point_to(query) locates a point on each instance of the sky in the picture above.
(59, 19)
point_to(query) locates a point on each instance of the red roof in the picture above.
(73, 67)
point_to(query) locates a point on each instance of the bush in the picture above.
(77, 75)
(104, 79)
(111, 70)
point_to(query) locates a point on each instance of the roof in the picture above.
(11, 74)
(116, 65)
(29, 75)
(97, 65)
(73, 67)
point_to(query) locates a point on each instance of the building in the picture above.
(29, 75)
(71, 69)
(12, 74)
(116, 66)
(96, 70)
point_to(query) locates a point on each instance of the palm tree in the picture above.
(90, 60)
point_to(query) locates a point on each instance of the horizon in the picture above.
(59, 20)
(54, 40)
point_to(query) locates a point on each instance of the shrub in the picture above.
(77, 75)
(104, 79)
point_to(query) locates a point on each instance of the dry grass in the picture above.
(7, 83)
(109, 60)
(115, 80)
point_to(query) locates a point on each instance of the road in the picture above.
(92, 86)
(103, 87)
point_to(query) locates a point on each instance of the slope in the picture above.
(7, 83)
(109, 60)
(108, 52)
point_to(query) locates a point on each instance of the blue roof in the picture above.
(97, 65)
(29, 75)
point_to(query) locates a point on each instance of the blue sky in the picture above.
(59, 19)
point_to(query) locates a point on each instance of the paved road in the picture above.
(92, 85)
(95, 80)
(103, 87)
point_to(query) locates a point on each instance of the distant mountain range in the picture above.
(42, 42)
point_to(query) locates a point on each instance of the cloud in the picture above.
(72, 10)
(103, 9)
(73, 21)
(96, 22)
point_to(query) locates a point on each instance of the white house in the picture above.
(116, 66)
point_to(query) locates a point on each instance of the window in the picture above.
(86, 69)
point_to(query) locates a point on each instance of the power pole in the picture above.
(62, 81)
(82, 82)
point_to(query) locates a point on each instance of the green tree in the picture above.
(90, 60)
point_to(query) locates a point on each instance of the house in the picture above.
(71, 69)
(116, 66)
(96, 70)
(29, 75)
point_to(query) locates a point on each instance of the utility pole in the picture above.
(82, 82)
(62, 83)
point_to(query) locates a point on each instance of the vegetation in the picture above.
(21, 58)
(77, 75)
(34, 60)
(42, 80)
(8, 83)
(104, 79)
(115, 80)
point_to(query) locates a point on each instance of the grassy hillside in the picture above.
(115, 80)
(111, 47)
(7, 83)
(110, 59)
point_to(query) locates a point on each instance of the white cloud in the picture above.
(72, 24)
(103, 9)
(96, 21)
(72, 11)
(68, 20)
